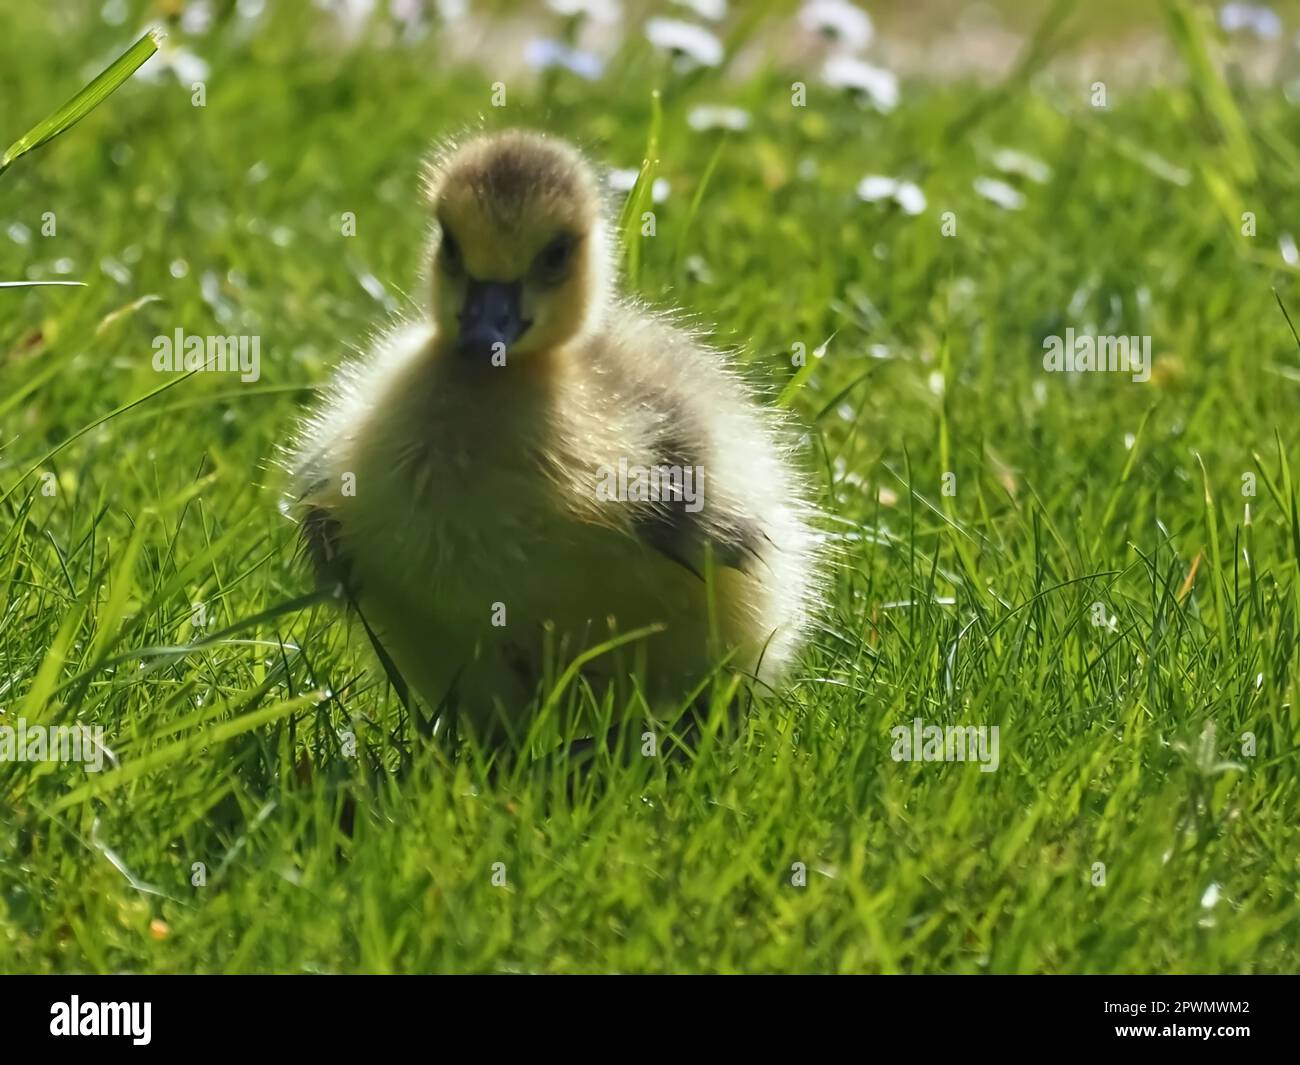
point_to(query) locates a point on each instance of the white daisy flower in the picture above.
(1010, 161)
(711, 116)
(999, 192)
(877, 84)
(685, 39)
(910, 198)
(838, 20)
(876, 187)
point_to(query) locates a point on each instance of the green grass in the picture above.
(1120, 745)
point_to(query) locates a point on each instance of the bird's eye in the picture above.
(451, 260)
(552, 260)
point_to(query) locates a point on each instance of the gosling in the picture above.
(543, 466)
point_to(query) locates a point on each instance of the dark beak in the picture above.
(491, 317)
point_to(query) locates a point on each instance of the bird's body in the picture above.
(536, 499)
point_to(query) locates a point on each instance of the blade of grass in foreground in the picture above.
(641, 197)
(90, 97)
(163, 756)
(1212, 526)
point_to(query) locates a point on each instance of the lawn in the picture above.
(1104, 568)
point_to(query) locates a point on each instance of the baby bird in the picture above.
(542, 465)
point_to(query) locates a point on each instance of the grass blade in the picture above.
(641, 197)
(83, 102)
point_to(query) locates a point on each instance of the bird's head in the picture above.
(520, 263)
